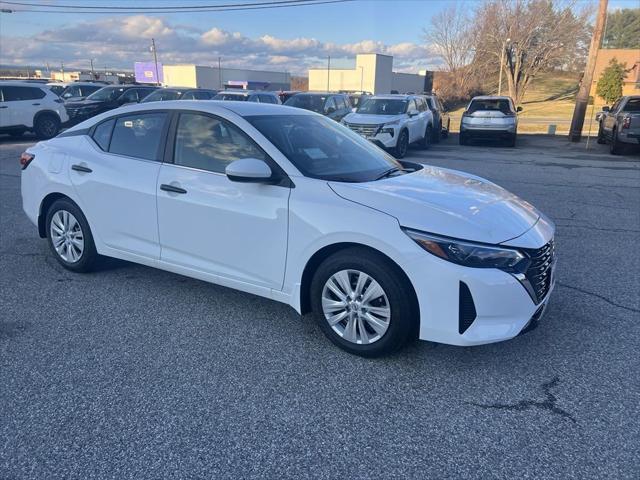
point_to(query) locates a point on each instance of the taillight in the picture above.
(626, 122)
(26, 159)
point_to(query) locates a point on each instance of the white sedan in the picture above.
(287, 204)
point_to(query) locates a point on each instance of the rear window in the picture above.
(633, 105)
(315, 103)
(16, 94)
(489, 105)
(138, 135)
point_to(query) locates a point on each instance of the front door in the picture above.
(208, 223)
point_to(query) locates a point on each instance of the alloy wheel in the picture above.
(67, 236)
(356, 307)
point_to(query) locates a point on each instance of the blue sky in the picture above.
(285, 38)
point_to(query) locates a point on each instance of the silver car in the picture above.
(490, 117)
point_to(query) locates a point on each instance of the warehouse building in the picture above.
(196, 76)
(373, 73)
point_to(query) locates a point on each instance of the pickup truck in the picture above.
(620, 124)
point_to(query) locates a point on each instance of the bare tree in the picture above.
(524, 37)
(449, 37)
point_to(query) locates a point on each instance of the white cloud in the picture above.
(119, 42)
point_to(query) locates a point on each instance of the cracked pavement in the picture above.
(130, 372)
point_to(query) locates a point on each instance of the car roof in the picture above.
(392, 96)
(18, 83)
(491, 97)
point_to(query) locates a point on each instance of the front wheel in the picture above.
(402, 146)
(362, 304)
(601, 140)
(46, 126)
(615, 147)
(69, 236)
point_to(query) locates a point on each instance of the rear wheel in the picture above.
(428, 137)
(402, 146)
(69, 236)
(46, 126)
(436, 133)
(445, 133)
(463, 139)
(511, 141)
(362, 303)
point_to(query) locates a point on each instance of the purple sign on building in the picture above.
(146, 72)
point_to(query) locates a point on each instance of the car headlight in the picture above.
(391, 124)
(469, 254)
(388, 127)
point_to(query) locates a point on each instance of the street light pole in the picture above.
(504, 46)
(328, 72)
(155, 60)
(361, 78)
(93, 74)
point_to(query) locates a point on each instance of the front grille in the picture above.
(364, 130)
(539, 272)
(466, 308)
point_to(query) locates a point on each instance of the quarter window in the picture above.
(209, 143)
(102, 134)
(138, 135)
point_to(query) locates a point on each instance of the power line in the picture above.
(174, 9)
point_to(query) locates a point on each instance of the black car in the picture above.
(440, 117)
(164, 94)
(332, 105)
(107, 98)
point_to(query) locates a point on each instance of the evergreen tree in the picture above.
(609, 85)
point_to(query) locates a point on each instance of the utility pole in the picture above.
(93, 74)
(504, 46)
(582, 99)
(328, 71)
(155, 60)
(62, 70)
(361, 79)
(219, 73)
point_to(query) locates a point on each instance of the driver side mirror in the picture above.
(606, 109)
(249, 170)
(413, 113)
(519, 109)
(329, 110)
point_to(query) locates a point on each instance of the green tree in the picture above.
(609, 85)
(622, 29)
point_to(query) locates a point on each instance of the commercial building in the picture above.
(373, 73)
(197, 76)
(630, 57)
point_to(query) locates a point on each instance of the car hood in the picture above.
(83, 103)
(370, 119)
(446, 202)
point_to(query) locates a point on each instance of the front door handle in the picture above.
(172, 188)
(81, 168)
(35, 104)
(3, 106)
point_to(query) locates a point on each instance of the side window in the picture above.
(264, 98)
(254, 98)
(144, 93)
(412, 105)
(16, 94)
(330, 103)
(211, 144)
(347, 102)
(129, 96)
(138, 135)
(201, 95)
(421, 105)
(102, 134)
(72, 91)
(188, 96)
(615, 106)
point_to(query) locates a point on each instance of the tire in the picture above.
(462, 139)
(428, 138)
(395, 300)
(445, 133)
(436, 133)
(601, 140)
(402, 146)
(66, 223)
(511, 142)
(615, 146)
(46, 126)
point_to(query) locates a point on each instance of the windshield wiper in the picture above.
(389, 172)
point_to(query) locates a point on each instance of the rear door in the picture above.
(20, 105)
(115, 179)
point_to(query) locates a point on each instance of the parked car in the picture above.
(164, 94)
(107, 98)
(490, 117)
(441, 119)
(312, 215)
(286, 95)
(332, 105)
(248, 96)
(26, 106)
(57, 87)
(79, 90)
(619, 125)
(393, 122)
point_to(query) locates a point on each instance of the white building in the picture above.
(373, 73)
(197, 76)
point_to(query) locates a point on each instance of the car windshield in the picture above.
(322, 148)
(315, 103)
(57, 89)
(490, 105)
(383, 106)
(231, 96)
(106, 93)
(162, 95)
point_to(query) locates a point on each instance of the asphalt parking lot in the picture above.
(131, 372)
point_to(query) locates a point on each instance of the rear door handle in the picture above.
(81, 168)
(172, 188)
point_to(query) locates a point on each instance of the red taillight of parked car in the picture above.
(626, 122)
(26, 159)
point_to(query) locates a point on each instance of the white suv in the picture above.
(393, 122)
(29, 106)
